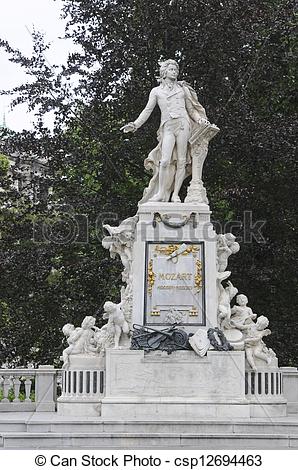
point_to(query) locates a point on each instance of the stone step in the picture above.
(16, 440)
(8, 426)
(209, 426)
(88, 426)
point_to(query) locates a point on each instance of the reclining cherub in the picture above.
(80, 340)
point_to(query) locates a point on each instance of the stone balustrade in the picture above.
(263, 383)
(29, 389)
(36, 389)
(82, 383)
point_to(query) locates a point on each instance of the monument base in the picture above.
(178, 386)
(181, 386)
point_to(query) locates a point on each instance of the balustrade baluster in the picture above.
(248, 383)
(263, 383)
(75, 383)
(28, 385)
(84, 383)
(91, 382)
(101, 381)
(6, 388)
(66, 383)
(1, 386)
(16, 389)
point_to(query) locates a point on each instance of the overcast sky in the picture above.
(16, 18)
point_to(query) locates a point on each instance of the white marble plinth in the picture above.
(177, 386)
(82, 386)
(86, 362)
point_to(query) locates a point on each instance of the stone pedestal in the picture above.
(82, 387)
(173, 261)
(187, 282)
(180, 386)
(290, 387)
(45, 388)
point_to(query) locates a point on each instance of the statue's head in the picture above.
(169, 66)
(68, 329)
(88, 322)
(230, 240)
(109, 306)
(230, 237)
(262, 322)
(241, 300)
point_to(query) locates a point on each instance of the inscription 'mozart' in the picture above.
(175, 276)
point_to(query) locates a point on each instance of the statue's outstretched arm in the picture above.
(133, 126)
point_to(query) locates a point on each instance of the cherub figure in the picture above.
(103, 339)
(242, 316)
(224, 308)
(226, 246)
(116, 320)
(72, 334)
(80, 339)
(253, 343)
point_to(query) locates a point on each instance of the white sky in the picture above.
(15, 17)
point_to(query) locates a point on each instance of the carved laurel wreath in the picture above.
(222, 345)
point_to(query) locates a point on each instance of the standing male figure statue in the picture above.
(181, 116)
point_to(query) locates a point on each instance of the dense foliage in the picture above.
(239, 56)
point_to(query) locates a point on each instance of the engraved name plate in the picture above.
(174, 284)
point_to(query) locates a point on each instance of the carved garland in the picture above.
(151, 277)
(165, 219)
(198, 276)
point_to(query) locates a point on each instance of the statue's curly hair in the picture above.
(163, 67)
